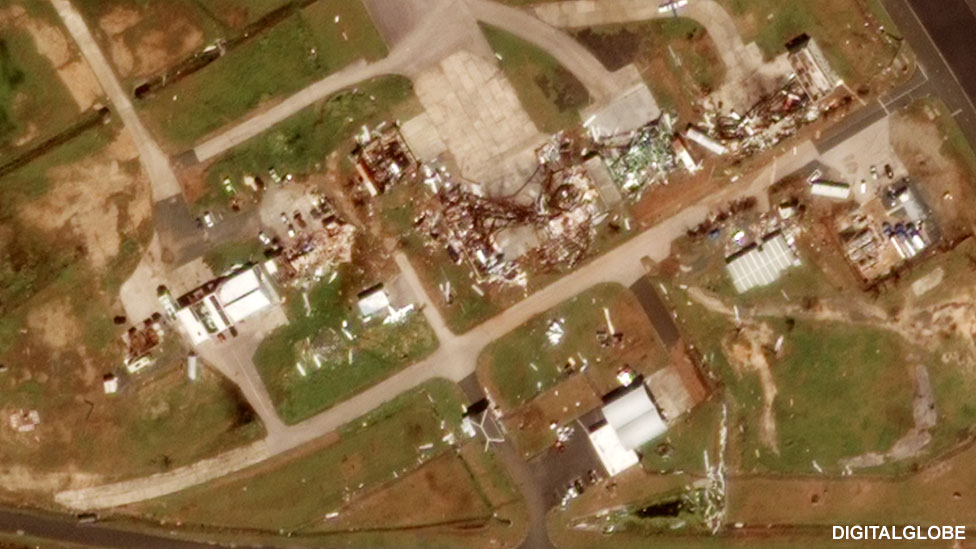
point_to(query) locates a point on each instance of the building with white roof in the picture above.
(611, 451)
(635, 418)
(234, 299)
(760, 264)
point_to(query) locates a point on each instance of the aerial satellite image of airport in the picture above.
(487, 274)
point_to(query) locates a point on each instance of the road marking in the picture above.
(942, 57)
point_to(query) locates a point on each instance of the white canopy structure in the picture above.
(635, 418)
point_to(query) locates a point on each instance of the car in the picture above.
(229, 186)
(291, 231)
(298, 219)
(874, 172)
(264, 238)
(284, 218)
(209, 220)
(889, 172)
(864, 186)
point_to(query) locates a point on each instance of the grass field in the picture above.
(846, 30)
(549, 93)
(34, 102)
(295, 492)
(346, 366)
(675, 55)
(523, 363)
(304, 47)
(301, 143)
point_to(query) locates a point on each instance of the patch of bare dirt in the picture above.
(119, 19)
(137, 51)
(87, 199)
(55, 323)
(18, 478)
(52, 43)
(746, 350)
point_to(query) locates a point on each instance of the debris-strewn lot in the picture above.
(328, 352)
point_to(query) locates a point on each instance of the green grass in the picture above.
(301, 143)
(508, 362)
(549, 93)
(377, 351)
(851, 393)
(856, 51)
(687, 440)
(297, 491)
(32, 96)
(676, 55)
(274, 64)
(221, 258)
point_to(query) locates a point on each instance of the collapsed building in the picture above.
(886, 232)
(382, 158)
(141, 342)
(552, 222)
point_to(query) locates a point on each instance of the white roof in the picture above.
(840, 191)
(761, 265)
(193, 327)
(238, 286)
(612, 454)
(635, 418)
(374, 302)
(246, 306)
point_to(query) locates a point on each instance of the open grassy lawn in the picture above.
(524, 363)
(848, 31)
(682, 447)
(549, 93)
(301, 143)
(344, 366)
(304, 47)
(675, 55)
(34, 102)
(843, 391)
(294, 493)
(224, 256)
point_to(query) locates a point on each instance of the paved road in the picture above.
(102, 536)
(941, 34)
(157, 166)
(456, 358)
(453, 23)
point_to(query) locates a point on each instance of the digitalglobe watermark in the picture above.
(876, 532)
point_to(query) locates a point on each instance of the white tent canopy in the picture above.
(635, 418)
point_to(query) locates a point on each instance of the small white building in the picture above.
(632, 420)
(373, 302)
(831, 189)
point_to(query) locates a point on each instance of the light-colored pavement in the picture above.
(456, 358)
(442, 29)
(157, 166)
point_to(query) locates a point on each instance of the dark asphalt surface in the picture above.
(66, 529)
(656, 311)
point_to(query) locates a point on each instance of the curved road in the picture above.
(453, 23)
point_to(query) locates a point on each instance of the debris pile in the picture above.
(643, 157)
(765, 124)
(24, 421)
(551, 222)
(382, 158)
